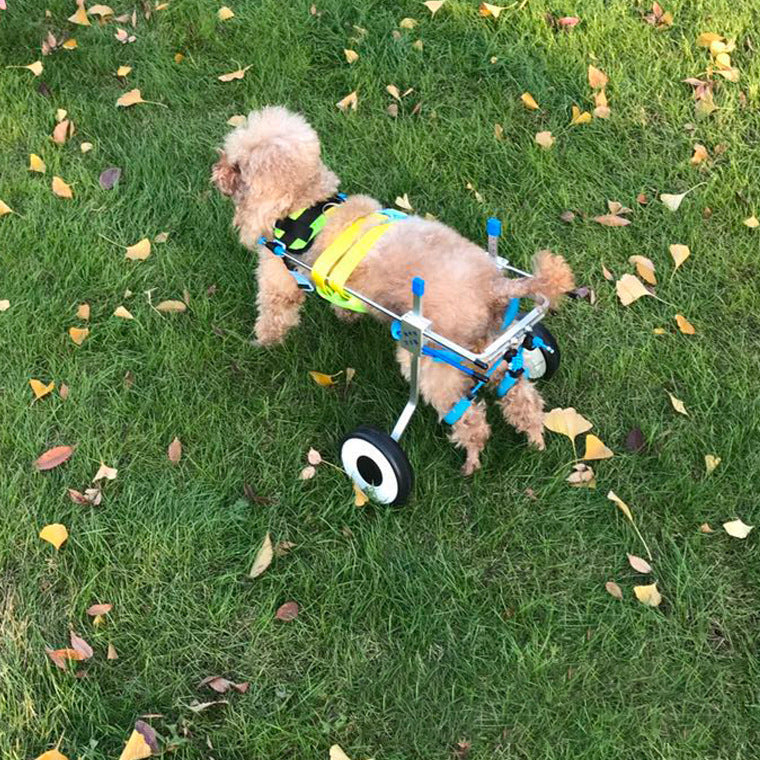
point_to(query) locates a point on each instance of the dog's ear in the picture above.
(225, 176)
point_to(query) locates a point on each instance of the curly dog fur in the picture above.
(271, 166)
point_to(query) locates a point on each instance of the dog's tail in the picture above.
(552, 278)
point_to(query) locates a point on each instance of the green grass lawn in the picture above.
(477, 612)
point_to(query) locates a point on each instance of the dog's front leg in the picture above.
(279, 299)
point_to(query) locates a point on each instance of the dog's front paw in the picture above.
(471, 465)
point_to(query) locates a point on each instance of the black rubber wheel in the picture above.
(378, 465)
(541, 363)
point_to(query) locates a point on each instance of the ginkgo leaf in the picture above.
(105, 472)
(408, 23)
(486, 9)
(61, 188)
(36, 68)
(677, 404)
(112, 654)
(602, 110)
(236, 120)
(679, 253)
(308, 472)
(595, 449)
(630, 288)
(614, 590)
(83, 311)
(123, 36)
(52, 754)
(711, 462)
(402, 201)
(99, 609)
(80, 17)
(39, 389)
(179, 57)
(320, 378)
(85, 147)
(225, 13)
(544, 139)
(142, 743)
(162, 237)
(612, 220)
(707, 38)
(434, 5)
(130, 98)
(621, 505)
(638, 564)
(393, 91)
(78, 334)
(529, 101)
(597, 79)
(579, 117)
(648, 595)
(684, 325)
(672, 201)
(752, 222)
(55, 534)
(100, 10)
(122, 313)
(351, 101)
(360, 498)
(737, 529)
(5, 304)
(174, 451)
(644, 267)
(70, 44)
(263, 558)
(566, 422)
(336, 753)
(171, 307)
(123, 71)
(351, 55)
(238, 74)
(63, 131)
(5, 208)
(139, 251)
(36, 164)
(705, 528)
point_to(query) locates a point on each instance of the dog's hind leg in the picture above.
(279, 299)
(523, 409)
(442, 386)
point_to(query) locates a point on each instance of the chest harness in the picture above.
(295, 234)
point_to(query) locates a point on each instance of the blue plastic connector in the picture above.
(493, 226)
(418, 286)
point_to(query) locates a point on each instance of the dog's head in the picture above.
(271, 167)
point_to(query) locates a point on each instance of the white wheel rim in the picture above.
(355, 448)
(535, 362)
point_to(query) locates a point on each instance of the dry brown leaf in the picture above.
(582, 476)
(105, 472)
(55, 534)
(39, 389)
(607, 274)
(597, 79)
(602, 110)
(677, 404)
(630, 288)
(700, 154)
(53, 457)
(612, 220)
(408, 23)
(351, 55)
(566, 422)
(83, 311)
(679, 253)
(123, 36)
(263, 558)
(287, 612)
(705, 528)
(360, 498)
(283, 547)
(351, 101)
(36, 164)
(595, 449)
(308, 472)
(171, 307)
(529, 101)
(131, 98)
(648, 595)
(122, 313)
(393, 91)
(239, 74)
(81, 646)
(737, 529)
(638, 564)
(112, 653)
(686, 327)
(614, 590)
(314, 457)
(139, 251)
(544, 139)
(174, 451)
(62, 657)
(711, 462)
(99, 609)
(78, 334)
(644, 267)
(61, 189)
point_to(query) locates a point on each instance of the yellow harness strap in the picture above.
(336, 263)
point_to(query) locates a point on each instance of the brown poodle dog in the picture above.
(271, 167)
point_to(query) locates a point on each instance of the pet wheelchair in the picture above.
(372, 458)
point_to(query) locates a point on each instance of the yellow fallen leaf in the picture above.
(679, 253)
(36, 164)
(60, 115)
(80, 17)
(239, 74)
(225, 13)
(418, 45)
(131, 98)
(350, 101)
(402, 201)
(705, 528)
(263, 558)
(648, 595)
(700, 154)
(630, 288)
(596, 78)
(723, 61)
(351, 55)
(595, 449)
(566, 422)
(486, 9)
(171, 307)
(139, 251)
(578, 117)
(100, 10)
(83, 311)
(360, 498)
(61, 189)
(737, 529)
(179, 57)
(78, 334)
(55, 534)
(621, 505)
(320, 378)
(659, 331)
(336, 753)
(752, 222)
(111, 653)
(544, 139)
(607, 274)
(123, 313)
(85, 147)
(5, 304)
(236, 120)
(70, 44)
(707, 38)
(434, 5)
(39, 389)
(672, 201)
(123, 71)
(711, 462)
(35, 68)
(529, 101)
(393, 91)
(686, 327)
(602, 110)
(136, 748)
(677, 404)
(408, 23)
(5, 208)
(644, 267)
(52, 754)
